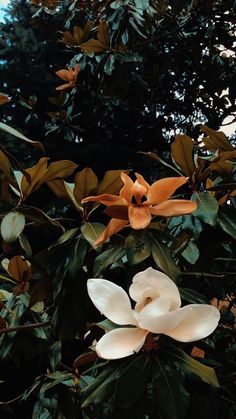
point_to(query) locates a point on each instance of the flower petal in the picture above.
(63, 74)
(162, 189)
(126, 192)
(121, 342)
(117, 211)
(105, 199)
(113, 227)
(139, 217)
(156, 308)
(142, 181)
(64, 86)
(154, 284)
(138, 191)
(174, 207)
(111, 300)
(200, 321)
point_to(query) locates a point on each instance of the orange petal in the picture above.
(113, 227)
(139, 217)
(162, 189)
(63, 74)
(142, 181)
(64, 86)
(126, 192)
(138, 191)
(117, 211)
(174, 207)
(105, 199)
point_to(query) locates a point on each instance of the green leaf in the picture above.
(192, 296)
(138, 246)
(101, 388)
(227, 221)
(12, 226)
(171, 394)
(191, 367)
(107, 258)
(55, 355)
(91, 231)
(132, 382)
(163, 258)
(76, 256)
(207, 207)
(191, 253)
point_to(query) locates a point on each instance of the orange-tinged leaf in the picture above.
(103, 33)
(12, 226)
(227, 155)
(5, 167)
(59, 170)
(94, 45)
(221, 167)
(36, 174)
(58, 187)
(182, 154)
(3, 99)
(215, 139)
(111, 183)
(85, 182)
(19, 269)
(78, 35)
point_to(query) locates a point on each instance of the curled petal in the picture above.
(126, 192)
(142, 181)
(121, 342)
(105, 199)
(113, 227)
(200, 321)
(162, 189)
(111, 300)
(155, 308)
(64, 86)
(138, 191)
(139, 217)
(154, 284)
(174, 207)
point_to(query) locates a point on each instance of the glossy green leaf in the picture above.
(191, 367)
(91, 231)
(12, 226)
(207, 207)
(170, 392)
(138, 246)
(163, 258)
(132, 383)
(107, 258)
(227, 221)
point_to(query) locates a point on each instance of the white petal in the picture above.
(121, 342)
(154, 284)
(111, 300)
(199, 322)
(156, 308)
(152, 319)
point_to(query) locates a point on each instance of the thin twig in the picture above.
(24, 327)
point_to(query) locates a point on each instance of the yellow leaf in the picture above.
(103, 33)
(59, 170)
(19, 269)
(182, 154)
(85, 182)
(36, 173)
(111, 183)
(12, 226)
(215, 139)
(93, 45)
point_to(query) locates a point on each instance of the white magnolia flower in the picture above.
(157, 310)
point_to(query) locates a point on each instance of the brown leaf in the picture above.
(103, 33)
(85, 182)
(3, 99)
(36, 173)
(111, 183)
(42, 291)
(19, 269)
(94, 45)
(59, 170)
(84, 359)
(182, 154)
(215, 140)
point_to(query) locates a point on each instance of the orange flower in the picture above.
(138, 201)
(69, 75)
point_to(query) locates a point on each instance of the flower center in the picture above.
(147, 301)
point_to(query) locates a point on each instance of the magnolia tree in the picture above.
(117, 294)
